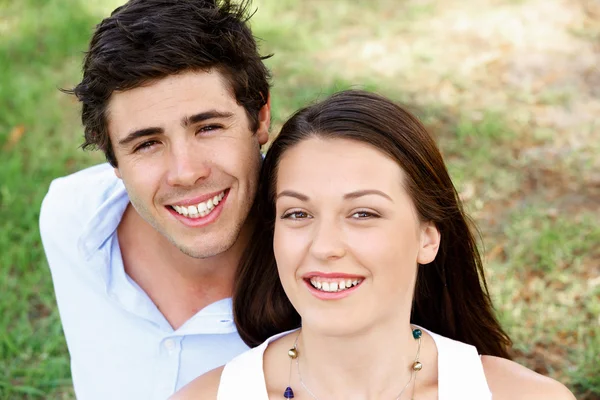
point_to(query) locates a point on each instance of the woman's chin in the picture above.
(335, 325)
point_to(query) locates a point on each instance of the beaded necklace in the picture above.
(293, 355)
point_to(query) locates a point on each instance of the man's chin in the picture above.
(203, 251)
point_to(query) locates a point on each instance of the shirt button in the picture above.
(170, 345)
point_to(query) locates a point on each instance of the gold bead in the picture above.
(417, 366)
(293, 353)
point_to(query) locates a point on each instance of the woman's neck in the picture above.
(373, 364)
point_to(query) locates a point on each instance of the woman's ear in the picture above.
(430, 243)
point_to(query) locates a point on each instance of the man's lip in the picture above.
(331, 275)
(197, 200)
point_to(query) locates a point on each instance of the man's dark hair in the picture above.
(145, 40)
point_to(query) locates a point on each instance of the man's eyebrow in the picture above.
(291, 193)
(140, 133)
(203, 116)
(360, 193)
(186, 121)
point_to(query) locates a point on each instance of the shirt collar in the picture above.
(215, 318)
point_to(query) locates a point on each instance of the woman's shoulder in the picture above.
(509, 380)
(207, 386)
(246, 367)
(203, 387)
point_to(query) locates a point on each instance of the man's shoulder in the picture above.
(92, 179)
(82, 189)
(72, 199)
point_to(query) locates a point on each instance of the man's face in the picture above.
(188, 158)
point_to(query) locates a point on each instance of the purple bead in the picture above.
(289, 393)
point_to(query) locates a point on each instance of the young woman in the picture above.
(363, 280)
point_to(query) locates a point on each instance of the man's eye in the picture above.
(145, 146)
(208, 128)
(295, 215)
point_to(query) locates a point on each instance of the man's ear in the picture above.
(430, 243)
(264, 121)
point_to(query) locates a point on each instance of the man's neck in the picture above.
(179, 285)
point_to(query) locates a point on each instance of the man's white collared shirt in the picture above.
(120, 344)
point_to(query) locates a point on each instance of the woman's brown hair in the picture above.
(451, 295)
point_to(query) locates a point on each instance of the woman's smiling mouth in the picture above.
(329, 286)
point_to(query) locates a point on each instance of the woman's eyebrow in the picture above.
(347, 196)
(360, 193)
(291, 193)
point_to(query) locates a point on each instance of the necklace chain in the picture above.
(413, 373)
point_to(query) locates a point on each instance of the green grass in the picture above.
(549, 244)
(542, 259)
(37, 55)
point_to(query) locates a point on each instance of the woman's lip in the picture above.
(331, 275)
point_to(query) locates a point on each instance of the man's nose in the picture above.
(186, 166)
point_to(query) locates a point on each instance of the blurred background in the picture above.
(509, 88)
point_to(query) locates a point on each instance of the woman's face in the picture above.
(347, 235)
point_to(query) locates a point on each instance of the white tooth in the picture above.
(319, 285)
(348, 283)
(325, 286)
(354, 283)
(184, 211)
(192, 210)
(333, 286)
(221, 196)
(342, 285)
(216, 200)
(209, 204)
(201, 207)
(177, 208)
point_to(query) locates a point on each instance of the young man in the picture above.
(143, 250)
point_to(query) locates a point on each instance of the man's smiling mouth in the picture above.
(201, 209)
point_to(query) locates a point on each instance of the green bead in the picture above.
(417, 333)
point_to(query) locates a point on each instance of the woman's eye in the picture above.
(363, 215)
(295, 215)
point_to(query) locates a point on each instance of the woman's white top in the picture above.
(460, 373)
